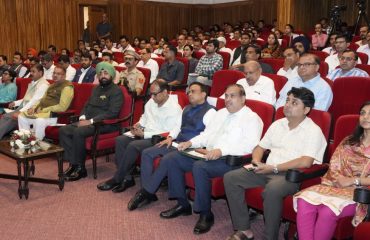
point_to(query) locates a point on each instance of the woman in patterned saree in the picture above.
(320, 206)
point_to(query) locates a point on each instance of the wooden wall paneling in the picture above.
(8, 29)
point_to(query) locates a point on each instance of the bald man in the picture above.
(256, 86)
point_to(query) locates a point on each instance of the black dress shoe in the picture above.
(124, 185)
(176, 211)
(69, 170)
(204, 224)
(141, 199)
(107, 185)
(77, 174)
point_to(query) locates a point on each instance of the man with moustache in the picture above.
(87, 72)
(132, 78)
(105, 102)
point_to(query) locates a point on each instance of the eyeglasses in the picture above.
(155, 94)
(129, 59)
(346, 59)
(191, 91)
(305, 64)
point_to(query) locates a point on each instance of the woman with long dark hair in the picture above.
(320, 206)
(272, 49)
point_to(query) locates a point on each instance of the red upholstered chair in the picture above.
(364, 67)
(138, 101)
(328, 81)
(76, 66)
(260, 43)
(356, 38)
(120, 69)
(279, 82)
(160, 61)
(265, 112)
(222, 78)
(226, 59)
(198, 55)
(254, 195)
(232, 44)
(275, 63)
(353, 46)
(320, 54)
(362, 231)
(284, 43)
(22, 86)
(364, 57)
(183, 85)
(323, 69)
(118, 57)
(349, 93)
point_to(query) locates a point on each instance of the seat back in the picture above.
(264, 110)
(364, 67)
(146, 72)
(353, 46)
(323, 69)
(22, 85)
(223, 78)
(82, 93)
(118, 57)
(279, 82)
(126, 106)
(275, 63)
(363, 56)
(185, 61)
(226, 59)
(119, 68)
(160, 61)
(232, 44)
(321, 118)
(182, 98)
(320, 54)
(198, 54)
(349, 93)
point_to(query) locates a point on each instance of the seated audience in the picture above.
(76, 59)
(302, 44)
(31, 53)
(160, 48)
(320, 207)
(347, 67)
(8, 88)
(365, 48)
(18, 66)
(363, 32)
(222, 46)
(52, 50)
(294, 142)
(207, 65)
(181, 41)
(72, 137)
(289, 32)
(272, 49)
(238, 55)
(3, 64)
(109, 46)
(172, 71)
(319, 38)
(290, 68)
(136, 43)
(94, 56)
(34, 93)
(65, 51)
(32, 62)
(87, 72)
(147, 62)
(57, 98)
(330, 46)
(124, 43)
(253, 53)
(64, 63)
(161, 114)
(48, 64)
(234, 130)
(131, 77)
(198, 46)
(195, 117)
(108, 57)
(309, 77)
(188, 53)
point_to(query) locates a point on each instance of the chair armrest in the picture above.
(111, 121)
(362, 195)
(302, 174)
(74, 118)
(5, 105)
(67, 113)
(177, 87)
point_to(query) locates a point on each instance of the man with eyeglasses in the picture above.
(147, 62)
(365, 48)
(132, 78)
(195, 118)
(347, 67)
(363, 32)
(290, 69)
(162, 113)
(341, 44)
(309, 77)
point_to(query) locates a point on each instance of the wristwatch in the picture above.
(275, 169)
(357, 182)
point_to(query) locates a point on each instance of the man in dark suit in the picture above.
(87, 72)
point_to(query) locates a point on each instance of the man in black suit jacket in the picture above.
(81, 76)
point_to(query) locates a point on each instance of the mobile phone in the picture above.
(250, 167)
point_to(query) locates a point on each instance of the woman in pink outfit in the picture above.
(319, 207)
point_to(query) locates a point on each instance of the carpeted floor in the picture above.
(80, 211)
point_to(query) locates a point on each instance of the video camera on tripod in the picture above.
(335, 20)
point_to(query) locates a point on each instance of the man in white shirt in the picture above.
(18, 66)
(222, 46)
(125, 44)
(295, 142)
(109, 46)
(331, 48)
(363, 32)
(161, 115)
(308, 77)
(347, 67)
(341, 44)
(181, 41)
(65, 63)
(198, 46)
(48, 64)
(235, 130)
(365, 48)
(256, 86)
(35, 91)
(147, 62)
(290, 69)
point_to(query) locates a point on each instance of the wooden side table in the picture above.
(23, 158)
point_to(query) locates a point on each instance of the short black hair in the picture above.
(256, 48)
(215, 43)
(64, 58)
(4, 58)
(54, 48)
(108, 54)
(124, 37)
(241, 88)
(346, 38)
(39, 67)
(12, 73)
(172, 49)
(88, 55)
(34, 59)
(16, 53)
(161, 84)
(304, 94)
(93, 50)
(67, 51)
(315, 57)
(295, 50)
(203, 88)
(351, 51)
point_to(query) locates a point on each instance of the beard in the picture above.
(105, 81)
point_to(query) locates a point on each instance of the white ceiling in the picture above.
(197, 1)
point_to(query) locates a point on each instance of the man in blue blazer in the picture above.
(87, 72)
